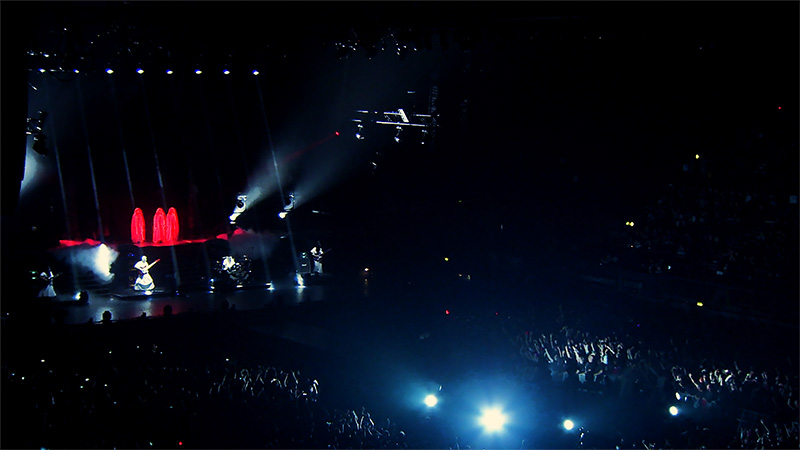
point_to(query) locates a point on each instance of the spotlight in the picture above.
(568, 425)
(241, 206)
(292, 201)
(283, 214)
(431, 401)
(492, 420)
(673, 410)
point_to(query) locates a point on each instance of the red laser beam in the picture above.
(299, 153)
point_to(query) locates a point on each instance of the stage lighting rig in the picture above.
(241, 206)
(399, 119)
(403, 119)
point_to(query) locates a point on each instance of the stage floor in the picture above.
(135, 304)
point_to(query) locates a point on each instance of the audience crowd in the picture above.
(747, 408)
(738, 225)
(145, 396)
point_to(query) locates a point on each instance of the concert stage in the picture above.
(183, 266)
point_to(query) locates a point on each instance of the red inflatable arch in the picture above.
(172, 226)
(137, 226)
(159, 226)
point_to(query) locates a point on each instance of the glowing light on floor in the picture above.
(431, 400)
(492, 420)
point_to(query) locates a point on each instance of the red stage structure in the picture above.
(172, 226)
(159, 226)
(166, 227)
(137, 226)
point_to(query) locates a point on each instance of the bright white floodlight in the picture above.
(431, 401)
(569, 425)
(492, 420)
(673, 410)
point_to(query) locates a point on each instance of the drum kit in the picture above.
(233, 271)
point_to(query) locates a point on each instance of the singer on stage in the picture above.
(144, 282)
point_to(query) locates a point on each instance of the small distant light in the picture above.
(226, 72)
(180, 442)
(446, 258)
(169, 72)
(282, 214)
(447, 312)
(677, 395)
(699, 303)
(86, 379)
(337, 133)
(77, 71)
(366, 269)
(696, 156)
(779, 107)
(139, 71)
(255, 72)
(42, 70)
(227, 359)
(198, 71)
(42, 360)
(673, 410)
(669, 267)
(109, 71)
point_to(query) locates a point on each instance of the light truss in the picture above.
(398, 118)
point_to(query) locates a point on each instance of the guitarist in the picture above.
(144, 282)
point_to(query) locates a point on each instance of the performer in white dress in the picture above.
(48, 291)
(144, 282)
